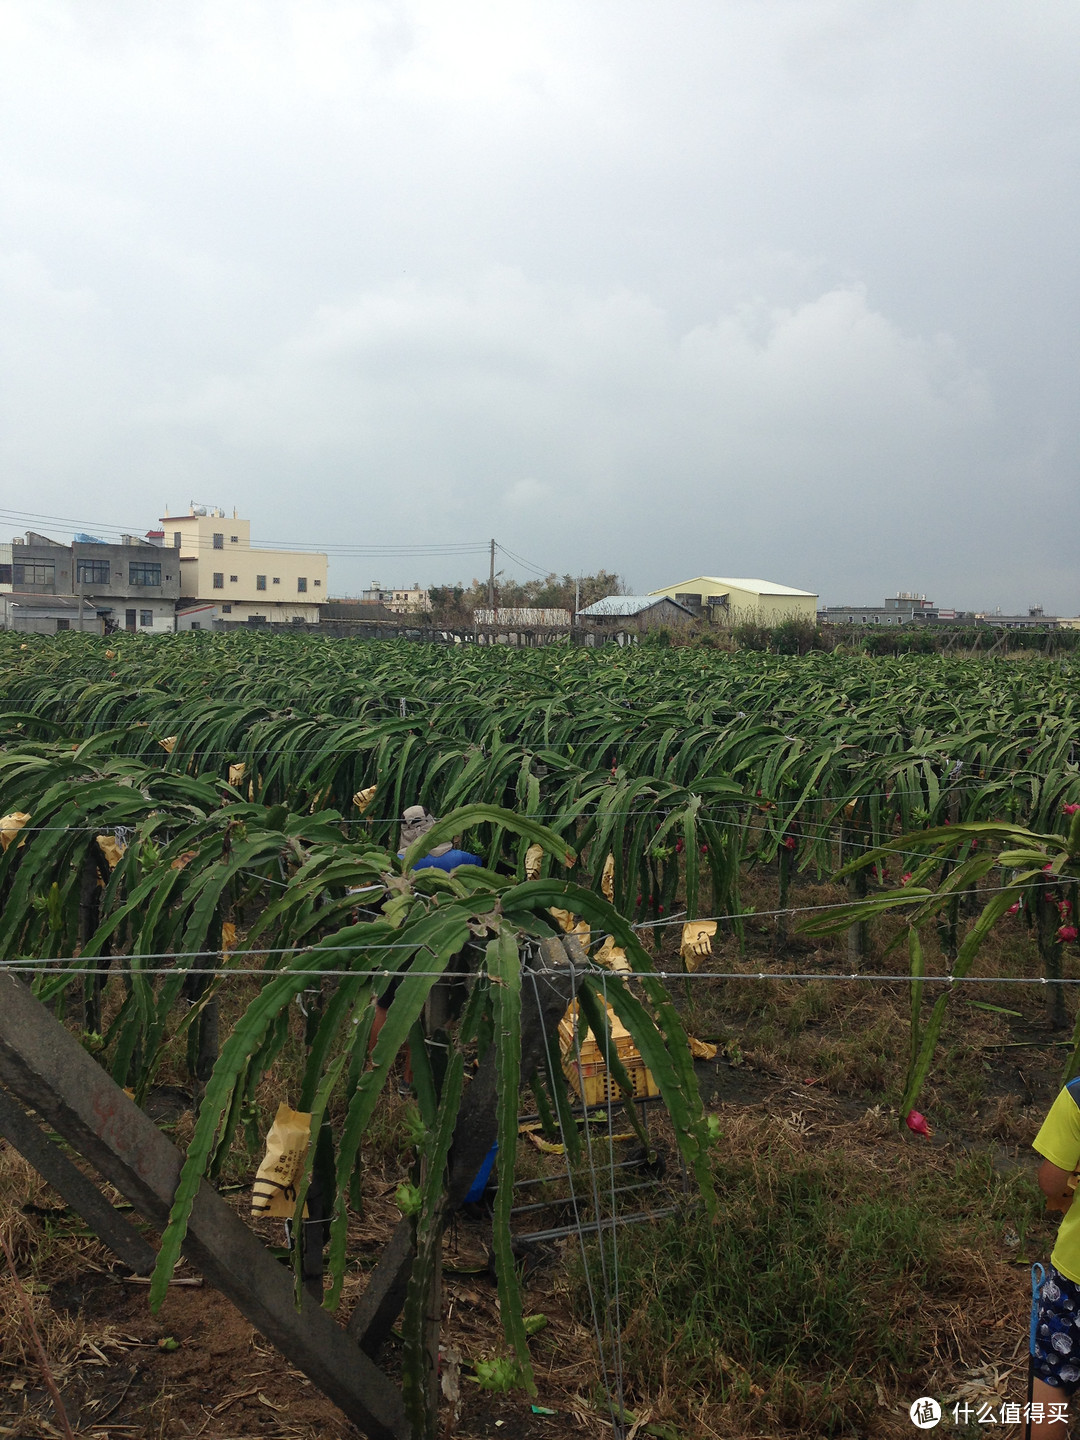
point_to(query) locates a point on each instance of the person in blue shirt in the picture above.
(416, 822)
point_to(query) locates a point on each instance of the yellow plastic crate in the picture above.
(590, 1079)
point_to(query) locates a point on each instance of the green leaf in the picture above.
(504, 972)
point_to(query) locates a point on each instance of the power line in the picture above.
(526, 564)
(333, 548)
(433, 549)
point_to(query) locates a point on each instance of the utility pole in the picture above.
(577, 599)
(491, 579)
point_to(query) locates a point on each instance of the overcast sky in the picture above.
(737, 287)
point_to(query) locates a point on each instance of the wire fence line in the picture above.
(63, 960)
(35, 967)
(833, 839)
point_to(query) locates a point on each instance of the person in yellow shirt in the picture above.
(1055, 1354)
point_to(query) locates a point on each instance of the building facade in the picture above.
(196, 616)
(130, 586)
(901, 609)
(412, 600)
(1035, 619)
(219, 565)
(734, 602)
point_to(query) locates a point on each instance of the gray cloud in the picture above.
(768, 288)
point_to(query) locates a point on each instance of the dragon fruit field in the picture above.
(827, 903)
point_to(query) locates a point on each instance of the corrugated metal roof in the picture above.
(627, 605)
(755, 587)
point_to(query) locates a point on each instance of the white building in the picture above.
(411, 600)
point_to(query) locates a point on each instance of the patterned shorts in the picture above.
(1057, 1332)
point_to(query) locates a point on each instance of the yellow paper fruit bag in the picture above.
(363, 798)
(572, 924)
(697, 942)
(111, 848)
(613, 956)
(10, 825)
(274, 1191)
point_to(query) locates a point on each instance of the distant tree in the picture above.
(448, 604)
(454, 604)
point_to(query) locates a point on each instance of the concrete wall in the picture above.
(144, 616)
(274, 614)
(200, 617)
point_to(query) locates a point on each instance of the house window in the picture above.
(130, 619)
(146, 619)
(92, 572)
(226, 609)
(177, 538)
(141, 572)
(234, 540)
(317, 584)
(34, 572)
(219, 541)
(5, 574)
(219, 580)
(232, 579)
(301, 583)
(277, 579)
(260, 582)
(63, 625)
(195, 625)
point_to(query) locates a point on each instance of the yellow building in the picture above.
(218, 564)
(733, 602)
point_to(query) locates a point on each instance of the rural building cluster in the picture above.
(197, 571)
(200, 571)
